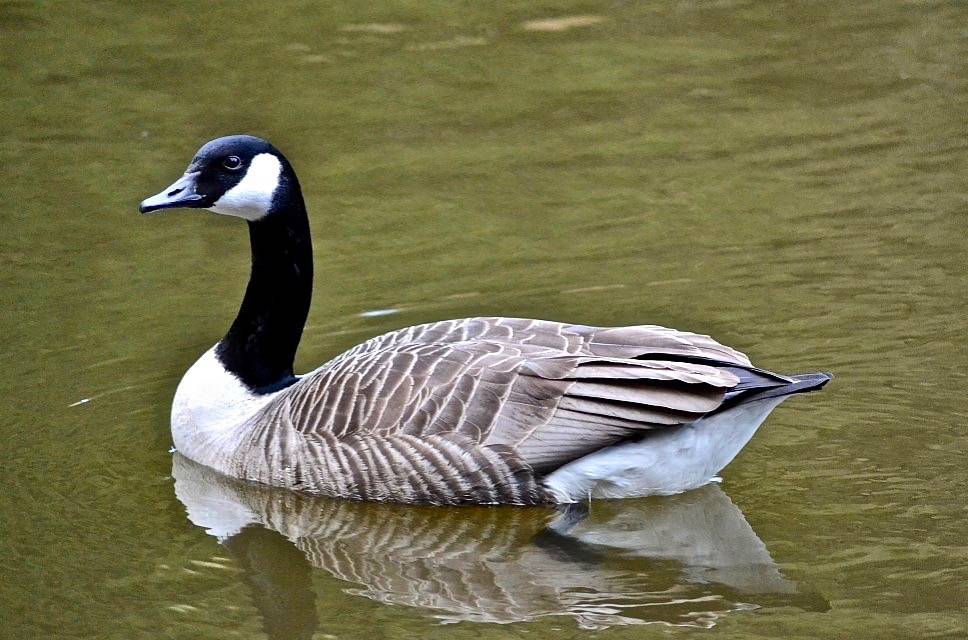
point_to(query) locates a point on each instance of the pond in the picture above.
(789, 178)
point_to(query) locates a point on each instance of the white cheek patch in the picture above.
(251, 198)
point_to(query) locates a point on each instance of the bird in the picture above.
(482, 410)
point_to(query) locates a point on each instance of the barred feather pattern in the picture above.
(493, 565)
(476, 410)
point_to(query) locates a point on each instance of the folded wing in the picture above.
(542, 392)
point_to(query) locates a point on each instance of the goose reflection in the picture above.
(682, 560)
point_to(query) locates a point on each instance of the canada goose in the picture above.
(476, 410)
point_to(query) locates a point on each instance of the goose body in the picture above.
(475, 410)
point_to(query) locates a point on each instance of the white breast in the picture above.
(210, 410)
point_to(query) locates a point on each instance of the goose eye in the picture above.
(232, 163)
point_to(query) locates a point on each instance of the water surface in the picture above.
(788, 178)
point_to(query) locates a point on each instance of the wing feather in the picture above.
(530, 395)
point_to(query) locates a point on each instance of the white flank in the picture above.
(210, 411)
(251, 198)
(665, 462)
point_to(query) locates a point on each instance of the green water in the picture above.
(789, 177)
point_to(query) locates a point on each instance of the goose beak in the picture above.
(182, 193)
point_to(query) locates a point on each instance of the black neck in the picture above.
(260, 346)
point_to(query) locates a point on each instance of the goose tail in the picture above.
(799, 383)
(668, 461)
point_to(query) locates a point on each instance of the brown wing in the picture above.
(543, 392)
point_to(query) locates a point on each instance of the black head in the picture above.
(240, 176)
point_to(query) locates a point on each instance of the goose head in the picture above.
(241, 176)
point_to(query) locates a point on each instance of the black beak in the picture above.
(182, 193)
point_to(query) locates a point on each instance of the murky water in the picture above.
(787, 177)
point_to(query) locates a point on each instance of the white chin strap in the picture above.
(251, 198)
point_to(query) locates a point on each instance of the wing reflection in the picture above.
(683, 560)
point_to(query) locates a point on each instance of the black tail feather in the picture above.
(800, 383)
